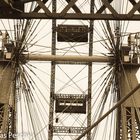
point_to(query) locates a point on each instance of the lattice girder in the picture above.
(46, 13)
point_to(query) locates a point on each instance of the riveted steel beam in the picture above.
(82, 16)
(100, 14)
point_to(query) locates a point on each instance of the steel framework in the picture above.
(46, 13)
(129, 113)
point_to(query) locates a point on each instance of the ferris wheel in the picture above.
(68, 70)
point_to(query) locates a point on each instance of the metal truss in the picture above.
(130, 119)
(43, 12)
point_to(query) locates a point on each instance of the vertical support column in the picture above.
(129, 123)
(13, 106)
(5, 121)
(133, 121)
(117, 79)
(124, 124)
(90, 71)
(52, 84)
(7, 96)
(129, 111)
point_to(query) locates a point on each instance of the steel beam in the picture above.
(42, 57)
(100, 14)
(46, 10)
(53, 75)
(82, 16)
(122, 100)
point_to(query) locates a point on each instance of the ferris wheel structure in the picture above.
(68, 69)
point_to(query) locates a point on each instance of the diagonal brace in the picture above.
(112, 10)
(110, 111)
(38, 7)
(75, 8)
(103, 7)
(42, 5)
(134, 9)
(133, 2)
(70, 5)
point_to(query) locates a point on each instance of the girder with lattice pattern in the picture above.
(15, 11)
(131, 122)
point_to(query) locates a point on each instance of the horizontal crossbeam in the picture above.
(42, 57)
(82, 16)
(106, 11)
